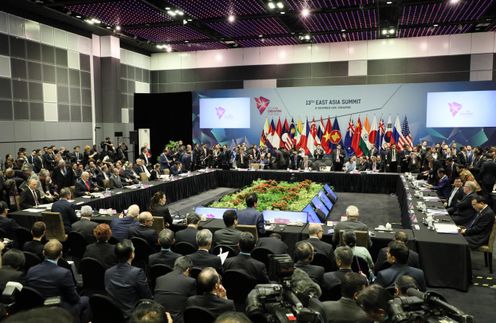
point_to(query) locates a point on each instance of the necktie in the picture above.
(453, 193)
(35, 197)
(63, 171)
(473, 221)
(87, 185)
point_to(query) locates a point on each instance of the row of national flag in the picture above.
(359, 138)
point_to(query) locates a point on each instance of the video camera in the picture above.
(278, 303)
(425, 307)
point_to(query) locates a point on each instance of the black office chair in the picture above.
(195, 271)
(323, 261)
(360, 265)
(22, 235)
(113, 241)
(184, 248)
(141, 252)
(195, 314)
(32, 259)
(261, 254)
(332, 294)
(77, 244)
(229, 249)
(28, 298)
(93, 273)
(105, 310)
(238, 284)
(157, 271)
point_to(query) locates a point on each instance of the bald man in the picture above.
(353, 214)
(144, 230)
(51, 280)
(316, 232)
(31, 196)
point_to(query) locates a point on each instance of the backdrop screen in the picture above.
(461, 109)
(217, 113)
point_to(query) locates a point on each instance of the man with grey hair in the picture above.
(463, 211)
(315, 232)
(63, 176)
(203, 258)
(352, 223)
(332, 280)
(31, 196)
(65, 208)
(84, 186)
(120, 226)
(144, 230)
(165, 256)
(173, 289)
(85, 226)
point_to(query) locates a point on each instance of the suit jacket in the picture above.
(81, 189)
(67, 212)
(388, 277)
(162, 211)
(464, 212)
(126, 285)
(147, 233)
(203, 259)
(322, 247)
(316, 273)
(348, 225)
(27, 199)
(250, 266)
(120, 227)
(35, 247)
(187, 235)
(443, 187)
(52, 280)
(62, 180)
(9, 274)
(477, 233)
(85, 227)
(458, 196)
(163, 257)
(115, 181)
(273, 244)
(212, 303)
(345, 310)
(487, 176)
(251, 216)
(173, 289)
(9, 226)
(103, 252)
(334, 278)
(381, 262)
(227, 237)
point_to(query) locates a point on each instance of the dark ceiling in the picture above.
(185, 25)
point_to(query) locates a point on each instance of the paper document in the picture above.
(32, 210)
(437, 212)
(446, 228)
(431, 198)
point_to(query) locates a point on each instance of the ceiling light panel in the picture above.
(341, 20)
(260, 42)
(202, 9)
(338, 37)
(252, 27)
(433, 31)
(168, 34)
(197, 46)
(298, 5)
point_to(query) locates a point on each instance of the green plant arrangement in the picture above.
(273, 195)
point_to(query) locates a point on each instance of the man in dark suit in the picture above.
(85, 226)
(6, 224)
(392, 159)
(382, 263)
(189, 234)
(273, 243)
(463, 211)
(30, 197)
(243, 261)
(478, 230)
(124, 283)
(63, 176)
(315, 233)
(115, 179)
(214, 297)
(303, 257)
(250, 215)
(337, 156)
(455, 196)
(346, 310)
(65, 208)
(144, 157)
(165, 256)
(443, 186)
(36, 245)
(333, 279)
(203, 258)
(84, 186)
(12, 264)
(398, 257)
(173, 289)
(144, 230)
(487, 176)
(101, 250)
(228, 236)
(51, 280)
(120, 226)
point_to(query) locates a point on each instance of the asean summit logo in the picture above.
(262, 104)
(454, 108)
(220, 112)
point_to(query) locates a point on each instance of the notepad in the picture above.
(449, 228)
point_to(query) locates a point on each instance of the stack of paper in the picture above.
(446, 228)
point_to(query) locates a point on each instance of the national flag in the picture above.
(302, 143)
(373, 132)
(357, 135)
(262, 139)
(380, 135)
(285, 126)
(366, 125)
(364, 140)
(292, 129)
(349, 138)
(336, 136)
(396, 136)
(320, 129)
(406, 136)
(279, 131)
(326, 137)
(275, 139)
(266, 127)
(312, 139)
(389, 131)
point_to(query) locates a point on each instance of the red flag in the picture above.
(326, 137)
(279, 131)
(355, 142)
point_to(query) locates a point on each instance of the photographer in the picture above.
(374, 301)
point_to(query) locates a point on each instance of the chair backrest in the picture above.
(184, 248)
(54, 226)
(158, 224)
(157, 271)
(238, 284)
(22, 235)
(492, 237)
(248, 228)
(105, 310)
(362, 238)
(143, 177)
(331, 294)
(229, 249)
(106, 183)
(323, 261)
(360, 265)
(77, 244)
(141, 252)
(261, 254)
(166, 171)
(194, 272)
(93, 273)
(28, 298)
(32, 259)
(113, 241)
(195, 314)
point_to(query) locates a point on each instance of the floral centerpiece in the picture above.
(273, 195)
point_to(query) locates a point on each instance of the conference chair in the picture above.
(238, 285)
(488, 250)
(248, 228)
(142, 251)
(322, 260)
(362, 238)
(359, 265)
(261, 254)
(332, 294)
(143, 177)
(22, 235)
(157, 271)
(93, 273)
(183, 248)
(105, 310)
(54, 226)
(229, 249)
(195, 314)
(27, 299)
(195, 271)
(32, 259)
(158, 224)
(77, 244)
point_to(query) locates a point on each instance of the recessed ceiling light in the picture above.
(231, 18)
(454, 1)
(89, 21)
(384, 32)
(435, 25)
(391, 31)
(167, 8)
(280, 5)
(389, 2)
(307, 37)
(78, 16)
(171, 13)
(118, 28)
(179, 12)
(96, 21)
(108, 27)
(343, 30)
(168, 49)
(186, 41)
(282, 12)
(305, 12)
(271, 5)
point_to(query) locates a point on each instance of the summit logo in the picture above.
(262, 104)
(454, 108)
(220, 112)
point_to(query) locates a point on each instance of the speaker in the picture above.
(133, 137)
(118, 134)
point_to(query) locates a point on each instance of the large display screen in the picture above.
(312, 216)
(284, 217)
(462, 109)
(330, 191)
(319, 205)
(222, 113)
(323, 197)
(211, 212)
